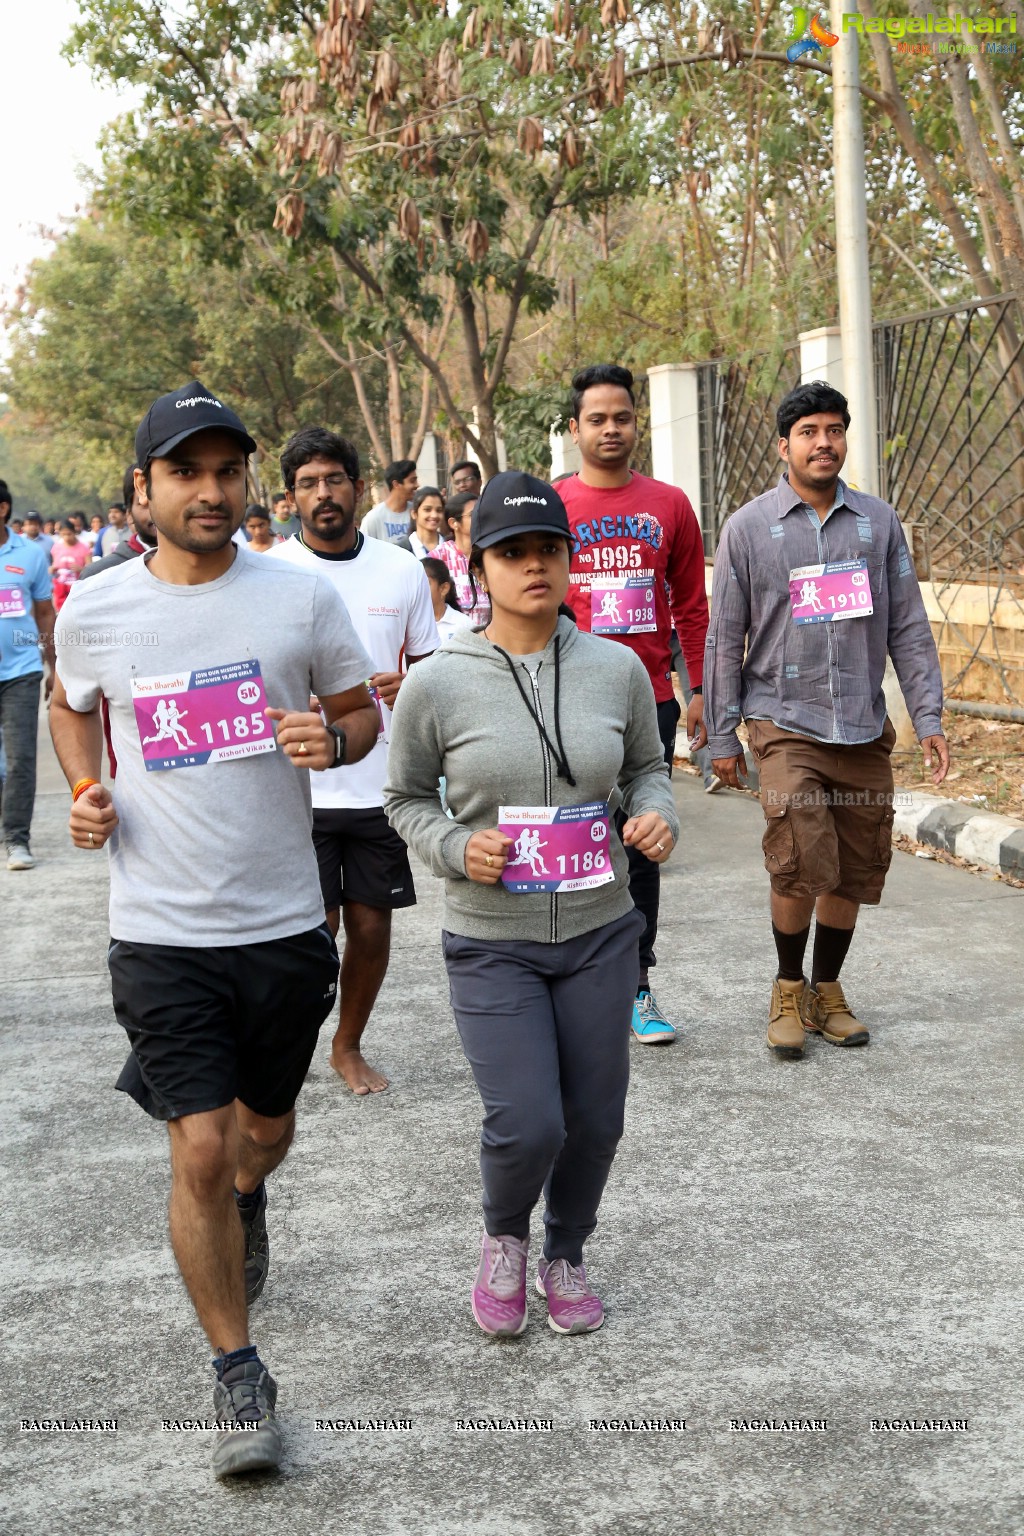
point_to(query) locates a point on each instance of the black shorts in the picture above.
(361, 859)
(208, 1026)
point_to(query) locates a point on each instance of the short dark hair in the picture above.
(255, 510)
(464, 464)
(443, 576)
(808, 400)
(116, 506)
(6, 499)
(599, 373)
(280, 496)
(455, 506)
(128, 486)
(317, 443)
(401, 469)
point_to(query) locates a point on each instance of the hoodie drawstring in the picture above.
(558, 754)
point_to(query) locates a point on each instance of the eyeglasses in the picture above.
(313, 483)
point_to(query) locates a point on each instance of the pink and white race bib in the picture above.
(821, 594)
(623, 605)
(210, 716)
(12, 603)
(556, 848)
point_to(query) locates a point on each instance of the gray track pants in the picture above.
(545, 1028)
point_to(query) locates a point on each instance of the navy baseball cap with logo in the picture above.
(174, 417)
(513, 503)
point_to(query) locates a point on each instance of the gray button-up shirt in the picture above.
(819, 680)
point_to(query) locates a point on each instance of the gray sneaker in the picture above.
(249, 1439)
(18, 857)
(257, 1249)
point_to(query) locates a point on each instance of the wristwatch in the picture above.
(340, 742)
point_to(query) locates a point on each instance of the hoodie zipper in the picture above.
(535, 685)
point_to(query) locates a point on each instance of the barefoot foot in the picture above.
(351, 1065)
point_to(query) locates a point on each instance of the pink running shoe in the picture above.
(572, 1305)
(499, 1290)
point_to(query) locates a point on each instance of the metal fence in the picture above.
(951, 460)
(738, 443)
(951, 434)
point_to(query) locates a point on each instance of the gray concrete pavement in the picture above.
(836, 1238)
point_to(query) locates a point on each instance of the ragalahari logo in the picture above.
(820, 36)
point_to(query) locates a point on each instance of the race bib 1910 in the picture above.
(820, 594)
(12, 603)
(556, 848)
(622, 605)
(210, 716)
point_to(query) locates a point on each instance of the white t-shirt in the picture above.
(387, 595)
(208, 852)
(451, 621)
(381, 523)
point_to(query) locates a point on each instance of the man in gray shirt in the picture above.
(222, 965)
(389, 519)
(813, 586)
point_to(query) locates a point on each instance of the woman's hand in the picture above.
(650, 833)
(487, 855)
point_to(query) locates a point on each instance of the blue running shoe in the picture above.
(650, 1025)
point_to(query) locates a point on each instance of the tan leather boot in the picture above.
(785, 1023)
(826, 1012)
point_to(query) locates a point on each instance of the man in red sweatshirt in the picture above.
(637, 569)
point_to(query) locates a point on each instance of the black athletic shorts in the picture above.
(361, 859)
(208, 1026)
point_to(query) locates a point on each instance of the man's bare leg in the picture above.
(206, 1234)
(364, 964)
(262, 1145)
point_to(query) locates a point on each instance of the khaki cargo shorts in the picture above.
(828, 811)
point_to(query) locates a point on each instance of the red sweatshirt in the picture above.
(637, 567)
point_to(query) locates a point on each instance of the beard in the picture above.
(331, 533)
(203, 541)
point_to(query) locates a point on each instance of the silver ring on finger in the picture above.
(661, 846)
(303, 749)
(92, 841)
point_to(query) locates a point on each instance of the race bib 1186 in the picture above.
(209, 716)
(556, 848)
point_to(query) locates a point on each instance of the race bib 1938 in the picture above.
(209, 716)
(623, 605)
(556, 848)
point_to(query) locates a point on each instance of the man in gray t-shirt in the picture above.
(222, 965)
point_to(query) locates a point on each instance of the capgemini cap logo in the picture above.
(820, 36)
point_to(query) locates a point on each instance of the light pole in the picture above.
(852, 266)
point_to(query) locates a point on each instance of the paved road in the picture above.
(832, 1239)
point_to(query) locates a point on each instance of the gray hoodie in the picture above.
(459, 714)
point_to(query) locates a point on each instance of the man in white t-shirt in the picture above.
(364, 866)
(389, 519)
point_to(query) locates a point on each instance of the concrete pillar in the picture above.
(821, 356)
(675, 429)
(426, 464)
(565, 456)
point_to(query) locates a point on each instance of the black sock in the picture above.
(830, 950)
(224, 1363)
(248, 1203)
(644, 984)
(791, 948)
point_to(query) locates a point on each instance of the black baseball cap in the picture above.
(174, 417)
(513, 503)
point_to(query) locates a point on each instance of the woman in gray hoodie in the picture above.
(542, 733)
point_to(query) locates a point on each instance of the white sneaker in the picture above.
(18, 857)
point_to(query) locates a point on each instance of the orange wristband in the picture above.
(81, 787)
